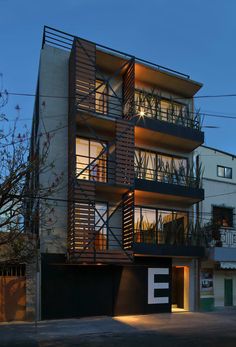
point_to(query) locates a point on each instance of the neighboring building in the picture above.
(124, 131)
(218, 273)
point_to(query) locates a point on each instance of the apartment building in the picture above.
(125, 238)
(218, 270)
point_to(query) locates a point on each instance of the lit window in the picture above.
(100, 226)
(91, 160)
(223, 216)
(101, 97)
(223, 171)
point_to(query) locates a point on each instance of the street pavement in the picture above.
(216, 329)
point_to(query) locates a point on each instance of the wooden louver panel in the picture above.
(128, 220)
(85, 74)
(128, 90)
(84, 216)
(124, 152)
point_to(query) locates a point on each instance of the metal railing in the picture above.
(166, 177)
(63, 40)
(173, 235)
(181, 118)
(101, 239)
(228, 238)
(101, 103)
(96, 169)
(113, 106)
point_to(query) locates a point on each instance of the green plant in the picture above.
(177, 113)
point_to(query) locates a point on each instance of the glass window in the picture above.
(88, 167)
(179, 170)
(223, 216)
(223, 171)
(145, 164)
(165, 105)
(148, 219)
(100, 228)
(137, 219)
(101, 97)
(228, 172)
(145, 225)
(164, 168)
(82, 158)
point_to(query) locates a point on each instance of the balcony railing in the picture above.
(175, 236)
(153, 105)
(99, 169)
(113, 106)
(228, 237)
(181, 118)
(166, 177)
(223, 237)
(101, 103)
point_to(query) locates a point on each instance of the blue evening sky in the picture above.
(196, 37)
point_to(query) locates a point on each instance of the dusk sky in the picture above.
(193, 37)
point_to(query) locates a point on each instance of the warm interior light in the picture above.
(141, 113)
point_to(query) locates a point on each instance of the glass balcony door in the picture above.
(159, 167)
(91, 162)
(160, 226)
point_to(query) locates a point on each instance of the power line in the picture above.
(207, 114)
(177, 98)
(35, 197)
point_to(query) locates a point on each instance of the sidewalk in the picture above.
(185, 329)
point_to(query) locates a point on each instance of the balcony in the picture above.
(222, 244)
(171, 124)
(101, 172)
(168, 177)
(159, 232)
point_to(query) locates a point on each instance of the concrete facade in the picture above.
(53, 119)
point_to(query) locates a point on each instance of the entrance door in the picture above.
(178, 287)
(228, 292)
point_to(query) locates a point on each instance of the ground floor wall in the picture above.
(218, 287)
(142, 287)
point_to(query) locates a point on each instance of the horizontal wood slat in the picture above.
(124, 152)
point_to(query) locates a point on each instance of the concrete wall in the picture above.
(53, 81)
(31, 291)
(218, 191)
(219, 277)
(210, 158)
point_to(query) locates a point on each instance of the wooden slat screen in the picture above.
(124, 152)
(128, 220)
(128, 90)
(85, 74)
(84, 215)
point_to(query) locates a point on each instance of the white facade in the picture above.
(219, 205)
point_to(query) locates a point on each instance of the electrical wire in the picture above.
(207, 114)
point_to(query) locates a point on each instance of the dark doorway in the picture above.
(178, 287)
(228, 300)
